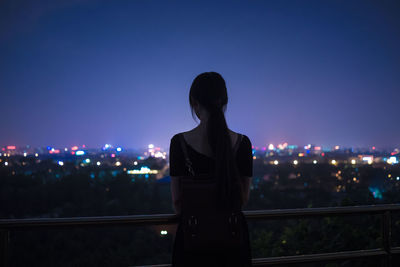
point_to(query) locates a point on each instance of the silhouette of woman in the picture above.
(212, 148)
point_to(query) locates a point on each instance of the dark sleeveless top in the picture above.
(203, 164)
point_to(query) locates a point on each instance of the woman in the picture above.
(212, 148)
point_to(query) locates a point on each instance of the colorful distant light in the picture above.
(337, 147)
(25, 154)
(392, 160)
(315, 162)
(143, 170)
(368, 159)
(36, 155)
(158, 154)
(317, 148)
(301, 154)
(151, 146)
(74, 148)
(113, 155)
(117, 163)
(353, 161)
(119, 149)
(80, 152)
(106, 146)
(271, 147)
(333, 162)
(60, 163)
(295, 162)
(11, 147)
(87, 160)
(276, 162)
(54, 151)
(98, 163)
(6, 163)
(135, 163)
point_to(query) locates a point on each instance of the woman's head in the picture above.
(208, 95)
(208, 98)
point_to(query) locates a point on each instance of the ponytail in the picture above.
(210, 91)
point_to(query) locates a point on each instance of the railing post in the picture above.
(4, 247)
(387, 237)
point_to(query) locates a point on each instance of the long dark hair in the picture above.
(209, 90)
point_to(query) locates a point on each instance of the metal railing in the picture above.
(386, 251)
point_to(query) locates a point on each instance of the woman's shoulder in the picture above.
(235, 135)
(175, 139)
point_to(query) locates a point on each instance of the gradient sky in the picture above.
(96, 72)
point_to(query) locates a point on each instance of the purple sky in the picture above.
(91, 72)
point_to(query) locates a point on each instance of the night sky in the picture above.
(91, 72)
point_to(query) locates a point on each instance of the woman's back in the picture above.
(203, 163)
(211, 222)
(201, 155)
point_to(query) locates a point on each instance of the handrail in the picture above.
(156, 219)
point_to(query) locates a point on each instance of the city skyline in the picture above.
(87, 72)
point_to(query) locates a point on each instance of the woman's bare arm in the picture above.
(246, 189)
(176, 202)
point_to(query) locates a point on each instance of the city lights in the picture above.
(163, 232)
(61, 163)
(353, 161)
(25, 154)
(333, 162)
(6, 163)
(117, 163)
(315, 162)
(80, 153)
(36, 155)
(119, 149)
(87, 160)
(143, 170)
(368, 159)
(276, 162)
(106, 146)
(98, 163)
(295, 162)
(271, 147)
(392, 160)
